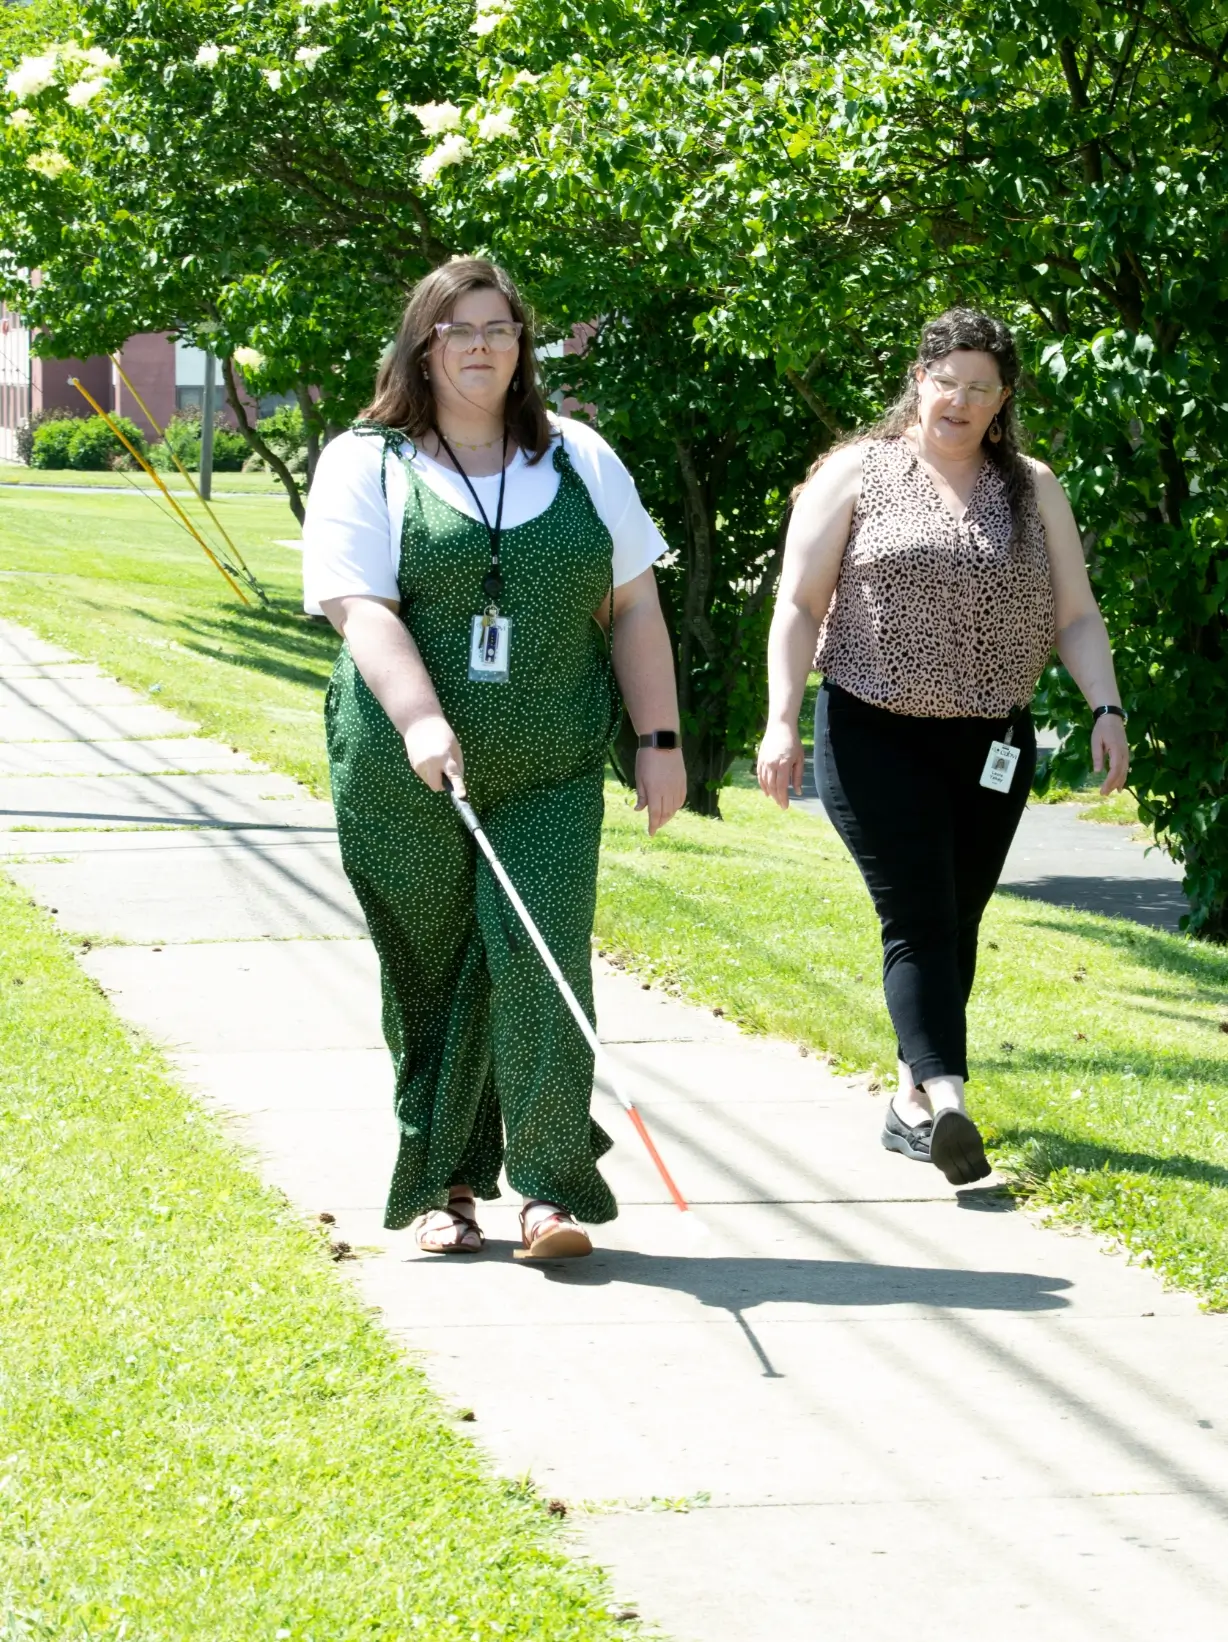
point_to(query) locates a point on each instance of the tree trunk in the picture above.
(312, 429)
(696, 638)
(261, 446)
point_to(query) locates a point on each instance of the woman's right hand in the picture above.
(781, 763)
(434, 752)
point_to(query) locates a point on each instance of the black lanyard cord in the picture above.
(492, 582)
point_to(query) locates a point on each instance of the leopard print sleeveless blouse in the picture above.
(937, 617)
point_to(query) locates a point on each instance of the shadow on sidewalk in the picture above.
(735, 1284)
(1150, 901)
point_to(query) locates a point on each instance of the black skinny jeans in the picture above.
(905, 796)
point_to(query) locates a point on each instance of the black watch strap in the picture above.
(1117, 712)
(660, 738)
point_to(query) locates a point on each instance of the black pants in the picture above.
(905, 796)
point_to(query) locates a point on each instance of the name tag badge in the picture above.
(490, 649)
(999, 769)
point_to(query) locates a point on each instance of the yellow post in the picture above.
(187, 523)
(161, 432)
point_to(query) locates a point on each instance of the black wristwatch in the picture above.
(1117, 712)
(667, 739)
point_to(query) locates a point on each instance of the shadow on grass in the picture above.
(1094, 1062)
(280, 643)
(1035, 1154)
(1196, 960)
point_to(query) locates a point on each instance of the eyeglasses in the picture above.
(979, 393)
(500, 336)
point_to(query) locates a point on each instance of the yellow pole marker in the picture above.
(161, 432)
(187, 523)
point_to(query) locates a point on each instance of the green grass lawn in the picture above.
(203, 1435)
(224, 484)
(113, 578)
(1099, 1048)
(1100, 1063)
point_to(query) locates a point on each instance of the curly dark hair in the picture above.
(967, 330)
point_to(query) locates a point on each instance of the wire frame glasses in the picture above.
(500, 335)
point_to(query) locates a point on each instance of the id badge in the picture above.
(490, 649)
(999, 769)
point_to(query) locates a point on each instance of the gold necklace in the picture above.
(498, 439)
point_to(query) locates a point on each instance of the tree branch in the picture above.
(1093, 164)
(822, 410)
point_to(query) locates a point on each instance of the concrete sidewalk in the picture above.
(866, 1406)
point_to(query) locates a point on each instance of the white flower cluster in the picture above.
(85, 91)
(35, 74)
(490, 13)
(309, 55)
(207, 56)
(451, 151)
(500, 122)
(436, 118)
(249, 359)
(273, 76)
(32, 75)
(49, 162)
(21, 119)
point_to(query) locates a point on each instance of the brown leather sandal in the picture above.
(552, 1236)
(472, 1240)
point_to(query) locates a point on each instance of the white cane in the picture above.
(465, 810)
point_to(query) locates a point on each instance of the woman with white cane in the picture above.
(490, 567)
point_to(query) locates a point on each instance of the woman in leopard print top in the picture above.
(936, 566)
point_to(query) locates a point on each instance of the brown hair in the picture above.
(403, 397)
(973, 332)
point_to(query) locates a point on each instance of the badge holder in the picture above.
(999, 769)
(490, 648)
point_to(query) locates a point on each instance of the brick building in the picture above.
(168, 375)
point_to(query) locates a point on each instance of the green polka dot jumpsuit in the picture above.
(491, 1070)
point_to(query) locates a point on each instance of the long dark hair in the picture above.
(967, 330)
(403, 397)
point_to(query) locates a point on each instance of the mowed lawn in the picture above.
(1099, 1047)
(204, 1436)
(114, 578)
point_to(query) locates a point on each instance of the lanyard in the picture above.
(492, 582)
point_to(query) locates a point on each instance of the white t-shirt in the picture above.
(352, 536)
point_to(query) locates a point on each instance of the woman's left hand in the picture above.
(1109, 746)
(660, 784)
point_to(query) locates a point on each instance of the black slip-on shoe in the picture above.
(957, 1149)
(909, 1139)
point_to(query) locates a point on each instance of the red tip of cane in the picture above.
(656, 1157)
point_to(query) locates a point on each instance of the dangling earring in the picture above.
(995, 432)
(516, 383)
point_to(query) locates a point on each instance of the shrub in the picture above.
(284, 432)
(230, 449)
(29, 426)
(93, 446)
(49, 443)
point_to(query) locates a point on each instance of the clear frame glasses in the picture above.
(500, 336)
(979, 393)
